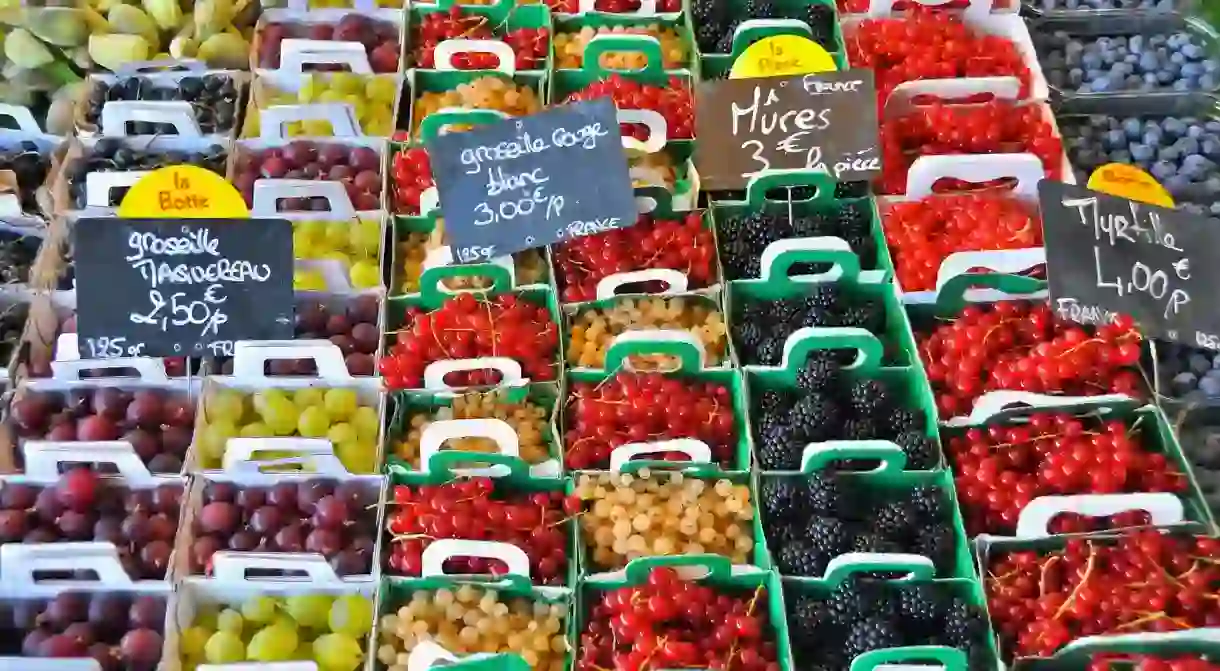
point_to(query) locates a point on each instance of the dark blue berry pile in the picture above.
(760, 328)
(1059, 5)
(862, 615)
(1182, 153)
(717, 20)
(1167, 62)
(809, 520)
(1201, 447)
(1188, 373)
(743, 239)
(843, 190)
(829, 406)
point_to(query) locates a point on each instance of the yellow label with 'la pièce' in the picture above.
(782, 56)
(1128, 181)
(183, 192)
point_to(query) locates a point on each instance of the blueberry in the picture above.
(1168, 154)
(1163, 169)
(1142, 152)
(1183, 383)
(1187, 145)
(1199, 363)
(1210, 386)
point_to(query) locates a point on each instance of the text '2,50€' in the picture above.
(183, 287)
(532, 181)
(1108, 255)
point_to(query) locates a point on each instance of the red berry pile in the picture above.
(465, 327)
(474, 509)
(156, 423)
(862, 6)
(987, 128)
(669, 623)
(530, 45)
(121, 632)
(1141, 581)
(1018, 345)
(412, 173)
(380, 40)
(613, 6)
(923, 233)
(678, 244)
(673, 101)
(329, 518)
(1000, 469)
(81, 507)
(1114, 662)
(931, 44)
(646, 407)
(358, 168)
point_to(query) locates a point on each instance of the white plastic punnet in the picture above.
(249, 357)
(43, 459)
(658, 130)
(992, 403)
(509, 369)
(447, 49)
(438, 551)
(341, 116)
(296, 54)
(318, 454)
(658, 335)
(675, 281)
(116, 114)
(235, 566)
(695, 450)
(69, 366)
(98, 185)
(21, 564)
(268, 192)
(164, 64)
(439, 257)
(647, 8)
(1164, 508)
(436, 433)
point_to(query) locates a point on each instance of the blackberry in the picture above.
(771, 402)
(902, 420)
(849, 190)
(928, 503)
(869, 398)
(920, 450)
(786, 312)
(725, 45)
(813, 226)
(816, 418)
(820, 373)
(770, 351)
(893, 520)
(869, 316)
(823, 296)
(935, 543)
(760, 9)
(799, 558)
(782, 498)
(755, 312)
(707, 36)
(829, 535)
(821, 20)
(871, 542)
(921, 603)
(854, 219)
(806, 616)
(778, 451)
(749, 335)
(963, 624)
(871, 633)
(865, 247)
(859, 428)
(816, 316)
(822, 494)
(707, 13)
(846, 603)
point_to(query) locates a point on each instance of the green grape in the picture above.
(364, 275)
(341, 433)
(303, 246)
(341, 403)
(313, 422)
(337, 234)
(281, 417)
(215, 437)
(224, 647)
(226, 404)
(255, 430)
(304, 651)
(205, 617)
(311, 87)
(260, 609)
(231, 621)
(308, 280)
(336, 255)
(307, 397)
(337, 652)
(367, 423)
(273, 644)
(193, 640)
(359, 107)
(317, 128)
(346, 83)
(315, 230)
(364, 239)
(357, 456)
(310, 611)
(381, 89)
(351, 614)
(330, 96)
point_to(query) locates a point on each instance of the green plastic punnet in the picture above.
(504, 15)
(1075, 655)
(406, 404)
(427, 655)
(689, 369)
(707, 298)
(437, 81)
(1165, 509)
(823, 202)
(573, 24)
(715, 65)
(888, 482)
(449, 465)
(949, 659)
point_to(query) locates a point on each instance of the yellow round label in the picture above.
(183, 192)
(782, 56)
(1128, 181)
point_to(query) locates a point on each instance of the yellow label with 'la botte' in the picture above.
(1128, 181)
(782, 56)
(183, 192)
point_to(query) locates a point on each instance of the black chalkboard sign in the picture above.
(532, 180)
(179, 287)
(825, 121)
(1107, 255)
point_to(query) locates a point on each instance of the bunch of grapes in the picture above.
(329, 630)
(334, 414)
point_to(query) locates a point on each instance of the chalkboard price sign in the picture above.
(532, 181)
(1107, 255)
(164, 287)
(826, 121)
